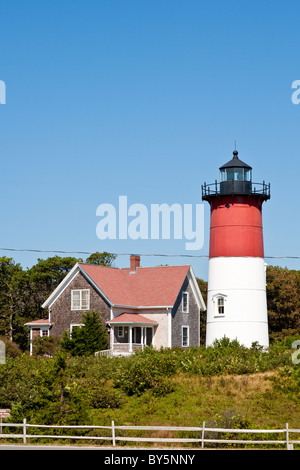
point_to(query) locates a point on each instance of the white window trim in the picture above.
(76, 325)
(221, 305)
(188, 336)
(80, 307)
(216, 306)
(44, 328)
(187, 302)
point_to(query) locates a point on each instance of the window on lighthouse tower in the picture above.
(221, 306)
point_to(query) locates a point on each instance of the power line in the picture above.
(128, 254)
(47, 251)
(91, 252)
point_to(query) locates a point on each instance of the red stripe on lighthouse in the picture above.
(236, 226)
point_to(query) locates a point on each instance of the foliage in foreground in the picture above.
(74, 390)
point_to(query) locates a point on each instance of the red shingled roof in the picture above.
(39, 322)
(157, 286)
(131, 318)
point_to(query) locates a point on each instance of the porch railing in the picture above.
(120, 348)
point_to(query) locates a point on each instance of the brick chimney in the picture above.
(135, 261)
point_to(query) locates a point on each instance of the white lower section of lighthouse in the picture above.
(236, 301)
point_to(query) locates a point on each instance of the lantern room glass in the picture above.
(235, 174)
(247, 173)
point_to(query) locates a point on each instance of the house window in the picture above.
(185, 336)
(45, 333)
(221, 305)
(185, 302)
(74, 326)
(80, 299)
(120, 332)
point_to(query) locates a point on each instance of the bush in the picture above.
(18, 384)
(68, 389)
(46, 346)
(228, 419)
(284, 335)
(11, 348)
(148, 370)
(103, 396)
(88, 339)
(288, 382)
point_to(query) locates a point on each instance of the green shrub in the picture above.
(11, 348)
(148, 370)
(227, 419)
(45, 346)
(103, 396)
(87, 339)
(70, 389)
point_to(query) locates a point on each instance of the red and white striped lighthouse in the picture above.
(236, 302)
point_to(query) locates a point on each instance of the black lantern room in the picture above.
(235, 176)
(235, 179)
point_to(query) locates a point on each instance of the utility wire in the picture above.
(128, 254)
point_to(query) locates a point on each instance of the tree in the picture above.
(283, 297)
(203, 289)
(11, 303)
(101, 259)
(59, 369)
(89, 338)
(44, 277)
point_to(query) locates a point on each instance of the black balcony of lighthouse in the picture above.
(235, 179)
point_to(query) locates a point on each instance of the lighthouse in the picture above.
(236, 300)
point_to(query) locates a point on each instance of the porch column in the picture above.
(31, 345)
(112, 336)
(142, 337)
(130, 338)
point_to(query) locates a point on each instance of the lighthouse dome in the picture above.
(235, 161)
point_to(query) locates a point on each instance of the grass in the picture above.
(240, 401)
(194, 400)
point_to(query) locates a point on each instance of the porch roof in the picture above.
(130, 319)
(38, 323)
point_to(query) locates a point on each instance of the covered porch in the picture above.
(130, 332)
(38, 328)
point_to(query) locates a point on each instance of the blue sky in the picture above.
(145, 99)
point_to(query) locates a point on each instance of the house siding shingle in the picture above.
(61, 314)
(191, 319)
